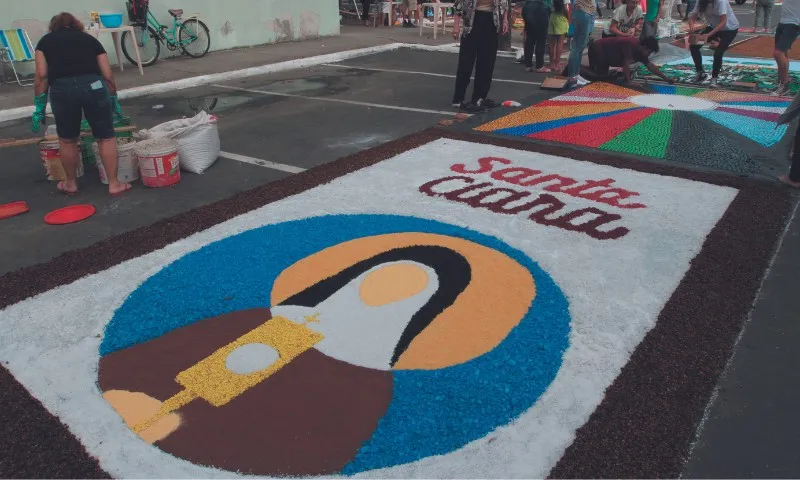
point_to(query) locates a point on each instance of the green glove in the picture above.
(40, 102)
(115, 106)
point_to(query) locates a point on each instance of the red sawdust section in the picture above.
(594, 133)
(761, 46)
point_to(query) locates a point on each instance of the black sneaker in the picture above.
(472, 108)
(487, 103)
(407, 25)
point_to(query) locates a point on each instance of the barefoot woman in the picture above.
(74, 67)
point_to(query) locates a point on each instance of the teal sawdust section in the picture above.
(764, 132)
(649, 137)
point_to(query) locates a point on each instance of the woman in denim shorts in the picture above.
(73, 66)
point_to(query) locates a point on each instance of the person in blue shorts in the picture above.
(73, 67)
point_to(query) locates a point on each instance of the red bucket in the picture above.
(50, 155)
(158, 162)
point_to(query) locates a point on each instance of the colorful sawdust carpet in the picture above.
(765, 78)
(704, 127)
(442, 306)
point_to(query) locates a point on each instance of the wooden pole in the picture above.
(21, 142)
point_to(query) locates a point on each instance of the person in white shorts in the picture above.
(626, 21)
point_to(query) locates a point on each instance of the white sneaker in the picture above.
(781, 91)
(582, 81)
(713, 83)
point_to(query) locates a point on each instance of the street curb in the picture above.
(201, 80)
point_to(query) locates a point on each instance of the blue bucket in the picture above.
(111, 20)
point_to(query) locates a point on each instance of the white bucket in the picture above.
(128, 163)
(158, 162)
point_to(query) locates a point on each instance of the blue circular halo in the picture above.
(433, 412)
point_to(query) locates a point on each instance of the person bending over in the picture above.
(621, 52)
(73, 66)
(722, 27)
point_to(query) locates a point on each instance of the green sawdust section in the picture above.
(765, 78)
(649, 137)
(687, 91)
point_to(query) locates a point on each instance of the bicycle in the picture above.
(191, 36)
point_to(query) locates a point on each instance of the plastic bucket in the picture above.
(158, 162)
(50, 155)
(128, 163)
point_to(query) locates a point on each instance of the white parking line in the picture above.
(261, 163)
(413, 72)
(338, 100)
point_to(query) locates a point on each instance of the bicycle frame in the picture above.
(168, 35)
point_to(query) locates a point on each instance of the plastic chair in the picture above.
(15, 47)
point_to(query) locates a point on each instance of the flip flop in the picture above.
(122, 191)
(62, 189)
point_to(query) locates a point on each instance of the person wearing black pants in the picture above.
(365, 4)
(723, 27)
(537, 17)
(483, 20)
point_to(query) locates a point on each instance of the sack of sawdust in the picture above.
(198, 140)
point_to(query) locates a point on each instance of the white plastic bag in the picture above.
(198, 140)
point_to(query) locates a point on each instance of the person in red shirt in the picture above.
(621, 52)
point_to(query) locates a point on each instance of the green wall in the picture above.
(233, 23)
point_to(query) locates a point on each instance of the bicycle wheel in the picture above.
(148, 42)
(194, 38)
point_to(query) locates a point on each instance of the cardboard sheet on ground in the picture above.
(456, 310)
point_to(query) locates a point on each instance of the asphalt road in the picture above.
(309, 117)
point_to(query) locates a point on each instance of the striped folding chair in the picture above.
(15, 47)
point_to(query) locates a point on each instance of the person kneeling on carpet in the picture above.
(621, 52)
(74, 67)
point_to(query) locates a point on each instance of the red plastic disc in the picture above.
(12, 209)
(71, 214)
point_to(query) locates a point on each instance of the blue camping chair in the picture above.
(15, 47)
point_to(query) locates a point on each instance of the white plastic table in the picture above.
(439, 9)
(377, 21)
(115, 35)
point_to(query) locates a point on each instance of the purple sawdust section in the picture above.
(643, 426)
(768, 116)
